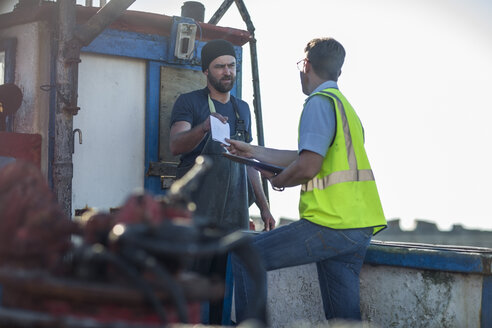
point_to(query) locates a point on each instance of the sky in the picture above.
(418, 73)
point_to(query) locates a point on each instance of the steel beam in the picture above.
(101, 20)
(66, 94)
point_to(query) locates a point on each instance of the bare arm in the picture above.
(299, 168)
(274, 156)
(183, 138)
(303, 169)
(261, 200)
(269, 155)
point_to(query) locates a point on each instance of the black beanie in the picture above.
(214, 49)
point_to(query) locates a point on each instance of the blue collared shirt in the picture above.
(318, 122)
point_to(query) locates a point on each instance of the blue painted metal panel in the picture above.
(129, 44)
(152, 47)
(428, 258)
(486, 311)
(151, 183)
(146, 46)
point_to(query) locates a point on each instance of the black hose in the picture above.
(98, 252)
(165, 280)
(238, 242)
(173, 247)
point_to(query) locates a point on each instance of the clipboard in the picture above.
(254, 163)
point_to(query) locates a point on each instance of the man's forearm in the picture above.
(186, 141)
(303, 169)
(275, 156)
(254, 178)
(261, 200)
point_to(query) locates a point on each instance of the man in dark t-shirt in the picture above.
(222, 198)
(193, 107)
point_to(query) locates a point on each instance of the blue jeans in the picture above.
(338, 255)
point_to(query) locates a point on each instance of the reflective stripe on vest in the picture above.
(352, 174)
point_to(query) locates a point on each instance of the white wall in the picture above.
(405, 297)
(7, 5)
(109, 164)
(390, 297)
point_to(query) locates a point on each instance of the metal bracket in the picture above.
(72, 51)
(165, 170)
(162, 169)
(181, 47)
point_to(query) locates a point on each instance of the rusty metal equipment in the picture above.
(130, 266)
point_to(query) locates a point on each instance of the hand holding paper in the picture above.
(220, 131)
(240, 148)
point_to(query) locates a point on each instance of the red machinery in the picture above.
(129, 266)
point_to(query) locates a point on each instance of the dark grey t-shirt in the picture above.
(193, 108)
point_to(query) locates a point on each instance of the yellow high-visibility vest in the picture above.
(343, 195)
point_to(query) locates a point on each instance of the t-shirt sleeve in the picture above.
(317, 126)
(182, 110)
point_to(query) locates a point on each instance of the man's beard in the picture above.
(217, 84)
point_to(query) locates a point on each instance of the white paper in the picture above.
(220, 131)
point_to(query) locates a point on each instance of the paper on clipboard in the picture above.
(220, 131)
(254, 163)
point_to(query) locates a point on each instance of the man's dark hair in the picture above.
(326, 56)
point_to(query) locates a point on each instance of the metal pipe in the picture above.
(102, 19)
(193, 9)
(220, 12)
(62, 159)
(53, 102)
(256, 80)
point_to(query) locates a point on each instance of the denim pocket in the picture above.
(326, 242)
(357, 236)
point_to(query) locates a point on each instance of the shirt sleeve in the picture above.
(182, 110)
(318, 125)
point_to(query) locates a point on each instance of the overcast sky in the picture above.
(418, 73)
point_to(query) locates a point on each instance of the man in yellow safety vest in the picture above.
(339, 206)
